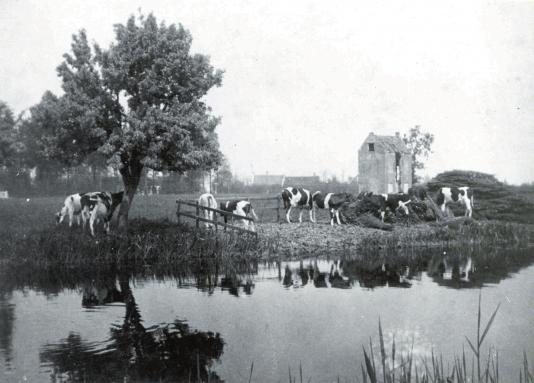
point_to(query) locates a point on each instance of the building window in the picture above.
(371, 147)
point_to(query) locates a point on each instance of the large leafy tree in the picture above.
(420, 145)
(7, 135)
(139, 103)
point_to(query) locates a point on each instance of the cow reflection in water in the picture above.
(453, 271)
(98, 293)
(342, 274)
(312, 275)
(382, 274)
(163, 353)
(233, 283)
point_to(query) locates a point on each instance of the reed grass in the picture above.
(147, 242)
(432, 369)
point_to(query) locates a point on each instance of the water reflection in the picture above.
(99, 286)
(170, 349)
(170, 352)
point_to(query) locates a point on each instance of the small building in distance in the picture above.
(268, 179)
(384, 164)
(302, 181)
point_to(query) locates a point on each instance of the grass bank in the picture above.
(28, 234)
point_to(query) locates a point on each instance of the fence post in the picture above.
(178, 210)
(215, 220)
(198, 212)
(277, 209)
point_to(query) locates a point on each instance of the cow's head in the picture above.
(286, 197)
(60, 215)
(403, 207)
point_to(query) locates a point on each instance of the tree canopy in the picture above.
(7, 135)
(420, 145)
(139, 103)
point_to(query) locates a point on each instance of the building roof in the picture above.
(301, 181)
(268, 179)
(389, 143)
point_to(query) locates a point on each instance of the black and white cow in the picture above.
(241, 208)
(297, 197)
(330, 201)
(394, 202)
(208, 200)
(99, 206)
(463, 194)
(72, 207)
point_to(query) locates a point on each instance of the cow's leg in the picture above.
(92, 222)
(312, 215)
(468, 209)
(331, 211)
(210, 214)
(84, 217)
(71, 217)
(382, 214)
(106, 226)
(78, 219)
(300, 215)
(288, 214)
(337, 217)
(206, 216)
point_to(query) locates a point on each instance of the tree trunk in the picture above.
(131, 175)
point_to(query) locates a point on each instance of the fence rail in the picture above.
(215, 222)
(260, 210)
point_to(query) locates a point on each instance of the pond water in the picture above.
(147, 325)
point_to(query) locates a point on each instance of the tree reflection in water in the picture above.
(172, 352)
(7, 320)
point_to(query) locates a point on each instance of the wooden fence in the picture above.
(263, 211)
(199, 210)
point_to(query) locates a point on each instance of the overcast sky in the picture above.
(306, 81)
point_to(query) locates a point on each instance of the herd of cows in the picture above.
(94, 207)
(302, 198)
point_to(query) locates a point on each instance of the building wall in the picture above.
(371, 170)
(377, 171)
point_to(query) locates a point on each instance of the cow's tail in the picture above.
(253, 213)
(471, 196)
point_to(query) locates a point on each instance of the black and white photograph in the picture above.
(202, 191)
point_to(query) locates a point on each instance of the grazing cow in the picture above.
(100, 206)
(463, 194)
(207, 200)
(72, 207)
(394, 202)
(330, 201)
(297, 197)
(241, 208)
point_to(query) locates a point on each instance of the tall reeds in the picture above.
(432, 369)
